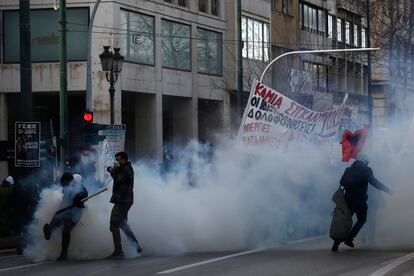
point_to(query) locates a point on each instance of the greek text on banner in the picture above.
(272, 118)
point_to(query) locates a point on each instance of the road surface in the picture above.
(294, 259)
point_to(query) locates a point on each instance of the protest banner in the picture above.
(273, 119)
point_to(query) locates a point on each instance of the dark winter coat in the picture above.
(123, 188)
(355, 181)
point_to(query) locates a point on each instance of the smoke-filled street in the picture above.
(309, 257)
(207, 137)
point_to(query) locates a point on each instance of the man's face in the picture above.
(120, 160)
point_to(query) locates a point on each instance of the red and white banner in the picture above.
(273, 119)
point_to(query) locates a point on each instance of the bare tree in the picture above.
(393, 31)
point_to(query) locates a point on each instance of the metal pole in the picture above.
(315, 52)
(63, 97)
(111, 94)
(25, 62)
(89, 59)
(369, 68)
(239, 60)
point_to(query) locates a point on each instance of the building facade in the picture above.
(179, 78)
(393, 67)
(173, 53)
(321, 81)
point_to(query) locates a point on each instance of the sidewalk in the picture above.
(8, 245)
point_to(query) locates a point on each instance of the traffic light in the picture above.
(88, 116)
(92, 136)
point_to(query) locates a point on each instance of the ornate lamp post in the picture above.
(112, 66)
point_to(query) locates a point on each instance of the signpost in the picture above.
(27, 144)
(115, 136)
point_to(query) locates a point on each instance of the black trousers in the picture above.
(119, 220)
(68, 225)
(360, 209)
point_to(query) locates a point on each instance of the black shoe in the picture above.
(335, 247)
(139, 250)
(47, 231)
(62, 257)
(116, 255)
(349, 243)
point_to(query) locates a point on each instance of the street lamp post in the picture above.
(112, 66)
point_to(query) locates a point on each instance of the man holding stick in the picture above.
(72, 203)
(122, 198)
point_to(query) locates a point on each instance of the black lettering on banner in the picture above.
(264, 117)
(264, 106)
(250, 114)
(255, 101)
(302, 127)
(270, 118)
(258, 115)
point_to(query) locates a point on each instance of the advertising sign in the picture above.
(27, 144)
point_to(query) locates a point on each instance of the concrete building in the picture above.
(255, 21)
(321, 81)
(393, 67)
(166, 92)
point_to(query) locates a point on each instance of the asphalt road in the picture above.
(294, 259)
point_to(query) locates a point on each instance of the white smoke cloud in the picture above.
(235, 200)
(390, 221)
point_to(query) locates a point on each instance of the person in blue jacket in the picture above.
(73, 193)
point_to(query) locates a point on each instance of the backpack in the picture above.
(341, 223)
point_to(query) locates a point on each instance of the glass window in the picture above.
(138, 44)
(356, 35)
(250, 37)
(363, 38)
(182, 3)
(314, 25)
(347, 32)
(321, 22)
(274, 4)
(330, 26)
(214, 7)
(45, 35)
(256, 35)
(319, 73)
(266, 42)
(306, 17)
(286, 6)
(244, 36)
(339, 29)
(209, 52)
(202, 5)
(176, 45)
(313, 19)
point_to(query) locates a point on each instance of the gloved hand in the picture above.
(77, 202)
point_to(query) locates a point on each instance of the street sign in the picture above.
(115, 136)
(27, 144)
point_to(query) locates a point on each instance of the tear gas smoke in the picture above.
(232, 200)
